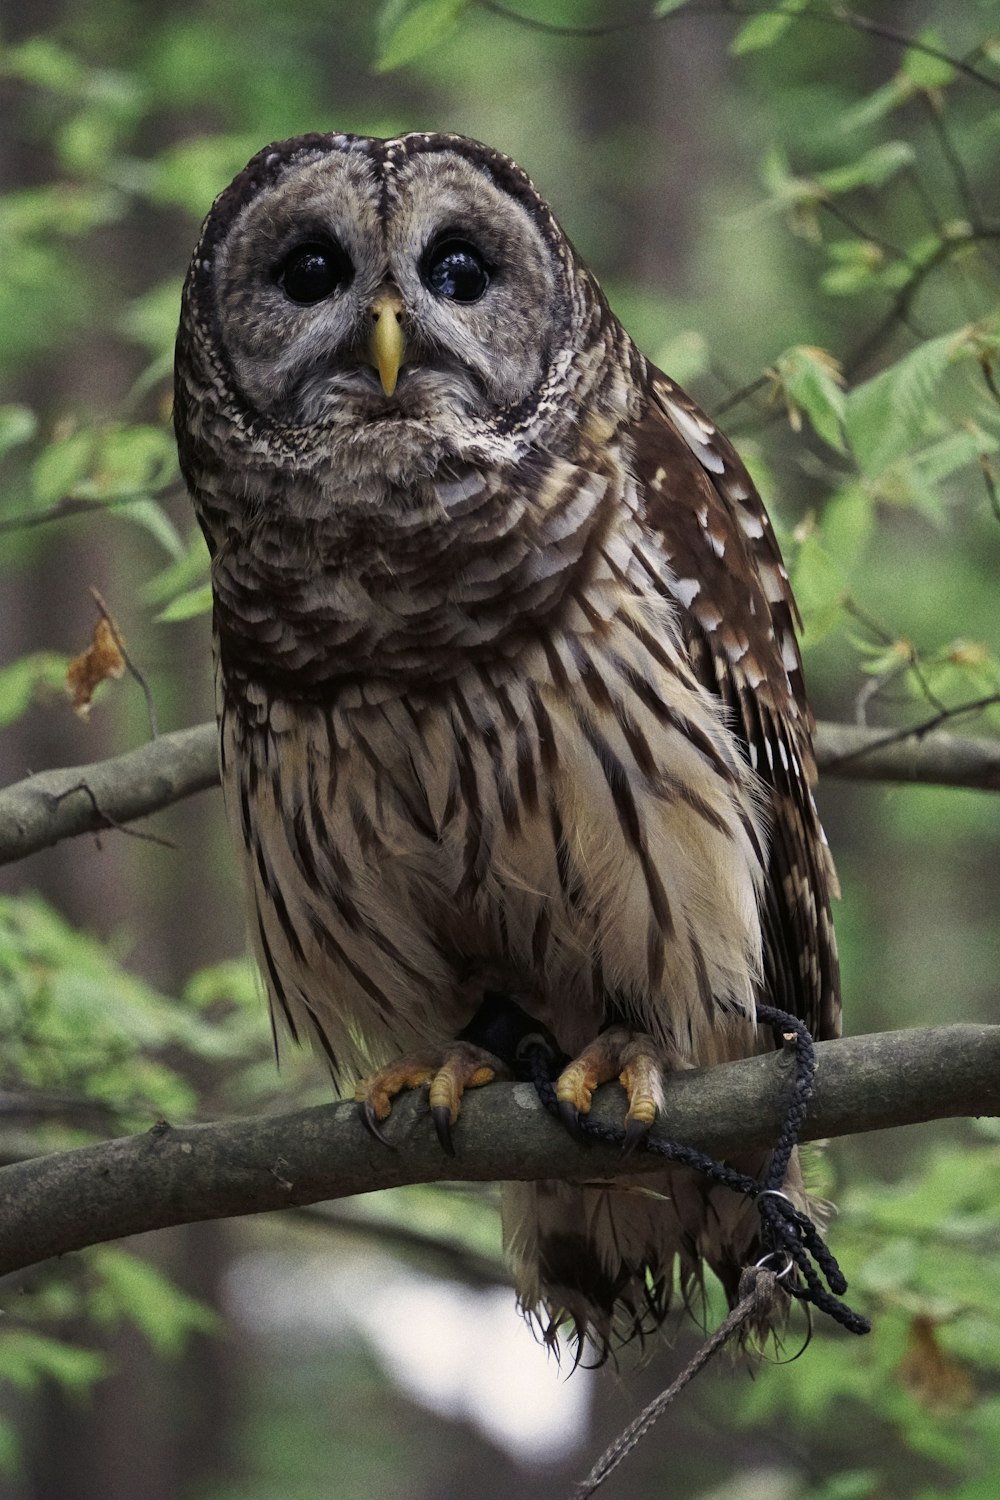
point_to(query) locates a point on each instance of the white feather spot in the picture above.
(686, 590)
(750, 525)
(774, 590)
(695, 432)
(789, 655)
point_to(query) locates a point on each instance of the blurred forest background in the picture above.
(796, 214)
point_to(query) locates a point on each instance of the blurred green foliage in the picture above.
(837, 306)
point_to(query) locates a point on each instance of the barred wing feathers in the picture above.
(739, 618)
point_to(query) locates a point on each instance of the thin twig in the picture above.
(879, 742)
(553, 28)
(838, 16)
(837, 211)
(745, 393)
(73, 505)
(132, 669)
(960, 177)
(990, 481)
(108, 822)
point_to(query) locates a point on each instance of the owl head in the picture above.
(344, 285)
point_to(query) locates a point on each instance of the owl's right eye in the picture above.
(311, 272)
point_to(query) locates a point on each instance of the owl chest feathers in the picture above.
(515, 782)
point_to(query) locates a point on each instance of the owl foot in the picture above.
(635, 1060)
(449, 1071)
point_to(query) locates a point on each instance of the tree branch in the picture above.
(54, 805)
(911, 755)
(71, 1199)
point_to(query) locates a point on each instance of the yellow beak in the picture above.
(386, 344)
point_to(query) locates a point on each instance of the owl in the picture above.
(513, 733)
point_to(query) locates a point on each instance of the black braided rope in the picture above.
(785, 1229)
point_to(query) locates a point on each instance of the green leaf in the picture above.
(21, 681)
(145, 512)
(131, 458)
(117, 462)
(193, 172)
(942, 459)
(59, 467)
(132, 1289)
(408, 30)
(235, 981)
(28, 1358)
(887, 414)
(856, 264)
(42, 62)
(18, 424)
(666, 7)
(184, 573)
(764, 30)
(811, 382)
(151, 320)
(874, 169)
(848, 524)
(10, 1448)
(923, 70)
(819, 585)
(876, 107)
(856, 1484)
(74, 1020)
(193, 602)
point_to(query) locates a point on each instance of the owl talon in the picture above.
(631, 1057)
(570, 1116)
(369, 1120)
(636, 1132)
(441, 1115)
(449, 1072)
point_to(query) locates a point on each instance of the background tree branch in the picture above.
(42, 810)
(68, 1200)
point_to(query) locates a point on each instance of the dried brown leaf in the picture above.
(101, 661)
(930, 1374)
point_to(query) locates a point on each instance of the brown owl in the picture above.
(513, 729)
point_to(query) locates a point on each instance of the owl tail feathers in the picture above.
(580, 1257)
(604, 1263)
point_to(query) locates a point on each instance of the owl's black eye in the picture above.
(455, 269)
(311, 272)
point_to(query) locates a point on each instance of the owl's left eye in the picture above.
(456, 270)
(310, 272)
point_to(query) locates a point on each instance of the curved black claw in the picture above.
(570, 1116)
(636, 1132)
(369, 1120)
(441, 1116)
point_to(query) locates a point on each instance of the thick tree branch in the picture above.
(68, 1200)
(931, 759)
(55, 805)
